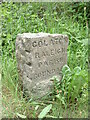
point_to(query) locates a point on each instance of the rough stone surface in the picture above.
(40, 56)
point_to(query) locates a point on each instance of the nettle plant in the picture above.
(71, 86)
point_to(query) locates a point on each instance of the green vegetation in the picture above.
(69, 97)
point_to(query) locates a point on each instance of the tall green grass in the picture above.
(51, 18)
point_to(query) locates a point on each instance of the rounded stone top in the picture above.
(41, 34)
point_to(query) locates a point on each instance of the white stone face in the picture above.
(40, 56)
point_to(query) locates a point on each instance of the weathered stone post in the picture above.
(40, 56)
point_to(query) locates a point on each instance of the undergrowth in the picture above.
(69, 98)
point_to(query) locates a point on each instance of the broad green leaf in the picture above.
(45, 111)
(66, 69)
(58, 96)
(21, 116)
(85, 41)
(49, 116)
(77, 70)
(36, 107)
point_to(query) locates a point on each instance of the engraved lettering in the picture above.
(56, 40)
(48, 72)
(45, 43)
(34, 44)
(37, 55)
(40, 43)
(46, 63)
(43, 53)
(51, 62)
(43, 73)
(52, 52)
(39, 64)
(59, 50)
(52, 42)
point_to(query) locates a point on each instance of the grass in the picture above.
(39, 17)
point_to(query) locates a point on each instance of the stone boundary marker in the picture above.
(40, 56)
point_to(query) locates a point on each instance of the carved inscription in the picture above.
(51, 52)
(44, 42)
(40, 56)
